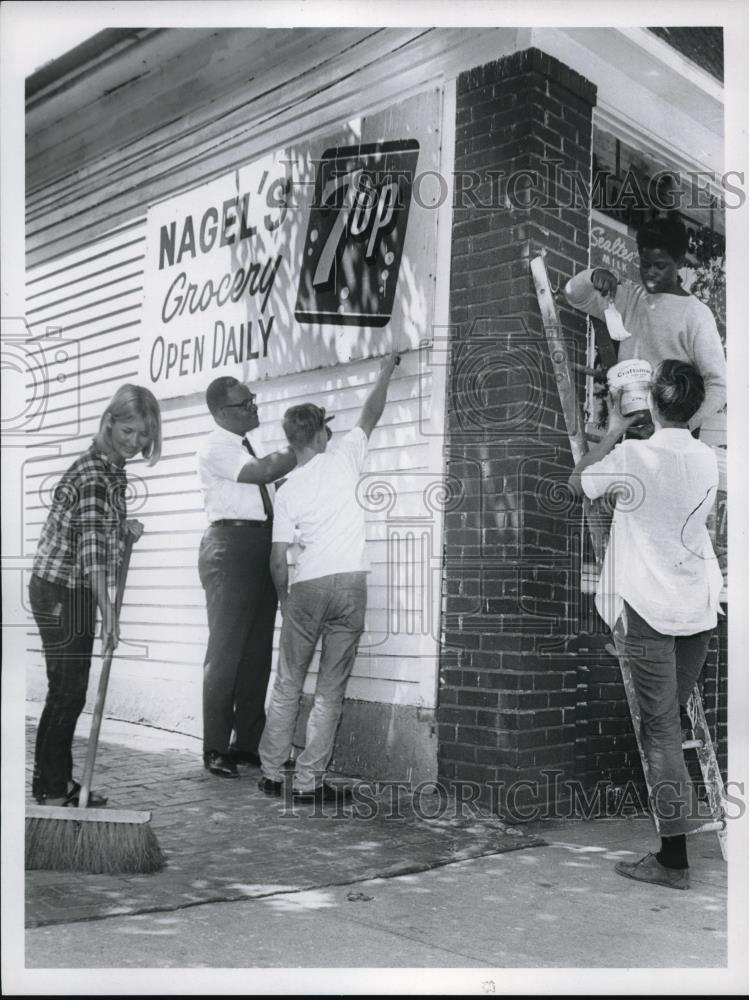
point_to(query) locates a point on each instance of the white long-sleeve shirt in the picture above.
(662, 326)
(659, 558)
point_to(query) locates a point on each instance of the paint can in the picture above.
(632, 379)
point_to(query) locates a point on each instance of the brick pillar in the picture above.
(510, 661)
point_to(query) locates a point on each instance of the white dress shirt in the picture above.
(659, 558)
(221, 456)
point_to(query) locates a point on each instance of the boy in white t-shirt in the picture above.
(659, 589)
(318, 508)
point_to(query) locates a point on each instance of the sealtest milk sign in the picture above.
(613, 248)
(288, 264)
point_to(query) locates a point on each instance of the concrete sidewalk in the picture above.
(252, 883)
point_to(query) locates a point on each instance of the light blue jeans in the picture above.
(332, 607)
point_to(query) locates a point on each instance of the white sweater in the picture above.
(662, 326)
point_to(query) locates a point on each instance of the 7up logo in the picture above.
(355, 235)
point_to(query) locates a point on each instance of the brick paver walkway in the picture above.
(226, 840)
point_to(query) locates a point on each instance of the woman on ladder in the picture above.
(75, 571)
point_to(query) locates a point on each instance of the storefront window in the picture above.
(630, 187)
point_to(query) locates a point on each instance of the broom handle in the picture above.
(93, 740)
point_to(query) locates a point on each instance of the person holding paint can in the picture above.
(659, 588)
(658, 319)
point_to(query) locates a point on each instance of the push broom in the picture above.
(98, 841)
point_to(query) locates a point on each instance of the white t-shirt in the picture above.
(659, 558)
(317, 506)
(220, 458)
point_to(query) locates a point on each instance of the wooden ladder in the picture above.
(573, 418)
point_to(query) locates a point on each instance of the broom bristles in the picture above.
(50, 843)
(95, 848)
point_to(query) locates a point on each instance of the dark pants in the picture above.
(66, 620)
(664, 670)
(234, 566)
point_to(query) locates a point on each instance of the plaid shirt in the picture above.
(85, 528)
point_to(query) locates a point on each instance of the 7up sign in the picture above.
(356, 232)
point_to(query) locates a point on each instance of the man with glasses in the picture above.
(234, 571)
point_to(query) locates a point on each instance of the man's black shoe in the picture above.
(220, 764)
(270, 787)
(244, 757)
(324, 793)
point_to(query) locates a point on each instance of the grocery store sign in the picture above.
(310, 256)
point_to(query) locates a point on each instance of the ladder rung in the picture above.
(595, 373)
(711, 826)
(692, 745)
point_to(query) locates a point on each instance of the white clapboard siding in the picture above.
(193, 77)
(170, 113)
(212, 104)
(80, 303)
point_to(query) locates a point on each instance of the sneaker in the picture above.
(323, 793)
(220, 764)
(649, 869)
(270, 787)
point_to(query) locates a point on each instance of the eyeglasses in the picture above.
(246, 404)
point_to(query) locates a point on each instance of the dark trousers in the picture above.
(66, 619)
(234, 566)
(664, 670)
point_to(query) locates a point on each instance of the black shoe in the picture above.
(95, 801)
(220, 764)
(324, 793)
(244, 757)
(270, 787)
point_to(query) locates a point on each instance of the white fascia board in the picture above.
(644, 94)
(664, 53)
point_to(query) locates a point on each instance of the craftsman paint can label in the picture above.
(355, 234)
(632, 378)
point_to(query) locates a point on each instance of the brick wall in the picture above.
(527, 691)
(510, 661)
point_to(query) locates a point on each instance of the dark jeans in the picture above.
(664, 670)
(234, 566)
(66, 620)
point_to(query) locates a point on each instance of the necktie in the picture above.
(265, 495)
